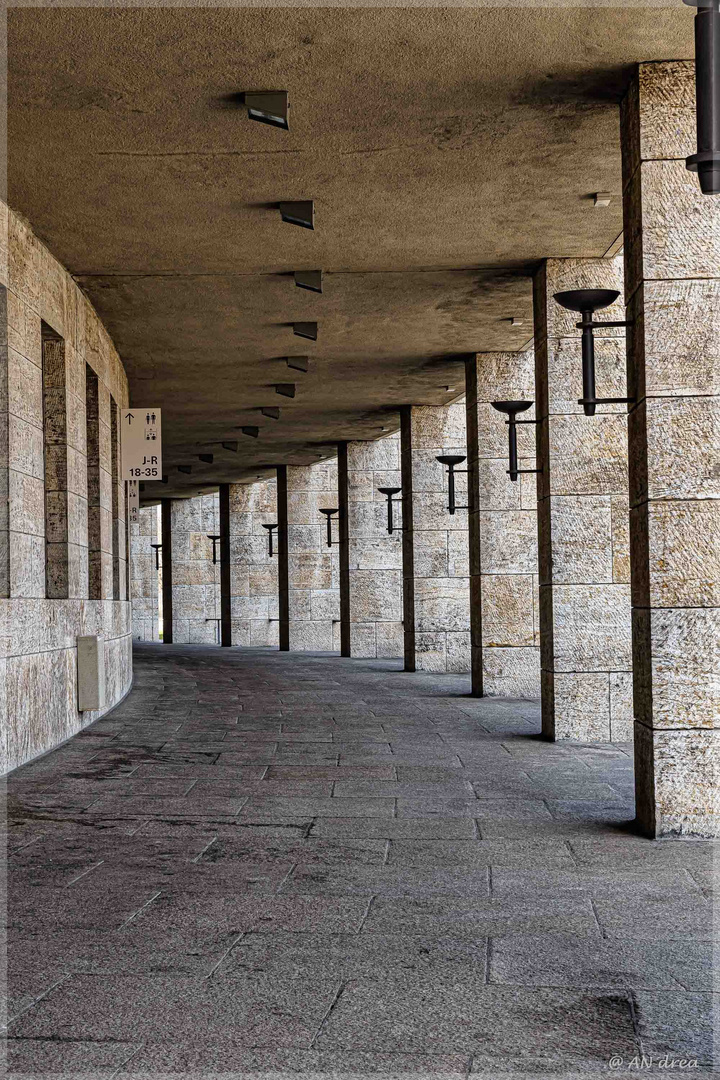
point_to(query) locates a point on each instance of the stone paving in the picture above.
(278, 865)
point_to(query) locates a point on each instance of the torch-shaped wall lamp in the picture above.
(452, 461)
(158, 549)
(328, 517)
(588, 301)
(512, 408)
(270, 528)
(214, 537)
(706, 162)
(388, 492)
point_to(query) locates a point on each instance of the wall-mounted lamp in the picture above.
(285, 389)
(158, 549)
(389, 492)
(298, 213)
(270, 537)
(307, 330)
(587, 302)
(309, 279)
(452, 461)
(271, 107)
(328, 517)
(512, 408)
(706, 162)
(214, 537)
(298, 363)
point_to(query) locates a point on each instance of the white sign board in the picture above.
(133, 490)
(141, 442)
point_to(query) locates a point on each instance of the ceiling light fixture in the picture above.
(587, 302)
(269, 107)
(285, 389)
(306, 329)
(601, 199)
(207, 458)
(251, 430)
(512, 408)
(298, 363)
(309, 279)
(706, 162)
(270, 411)
(452, 461)
(233, 446)
(185, 468)
(298, 213)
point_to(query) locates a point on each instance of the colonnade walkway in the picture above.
(266, 864)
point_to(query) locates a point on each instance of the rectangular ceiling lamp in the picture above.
(298, 213)
(309, 279)
(307, 330)
(298, 363)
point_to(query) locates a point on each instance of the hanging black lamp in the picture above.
(388, 492)
(587, 302)
(511, 409)
(270, 528)
(328, 517)
(706, 162)
(452, 461)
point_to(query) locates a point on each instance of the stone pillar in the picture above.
(253, 572)
(504, 616)
(374, 610)
(166, 561)
(224, 550)
(582, 515)
(672, 287)
(144, 575)
(310, 615)
(436, 595)
(196, 580)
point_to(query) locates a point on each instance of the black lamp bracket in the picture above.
(270, 528)
(587, 302)
(388, 493)
(329, 519)
(452, 461)
(214, 537)
(158, 549)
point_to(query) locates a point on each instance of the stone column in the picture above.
(224, 548)
(253, 572)
(166, 563)
(436, 595)
(374, 579)
(310, 614)
(196, 580)
(582, 515)
(144, 576)
(672, 287)
(504, 616)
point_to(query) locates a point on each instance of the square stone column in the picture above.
(144, 575)
(374, 572)
(504, 616)
(672, 286)
(196, 579)
(436, 591)
(582, 514)
(308, 570)
(253, 572)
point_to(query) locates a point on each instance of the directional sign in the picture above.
(141, 444)
(133, 491)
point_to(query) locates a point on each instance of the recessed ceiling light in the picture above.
(298, 363)
(298, 213)
(306, 329)
(250, 430)
(271, 411)
(269, 107)
(208, 458)
(309, 279)
(601, 198)
(286, 389)
(230, 446)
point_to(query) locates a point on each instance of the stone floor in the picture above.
(278, 865)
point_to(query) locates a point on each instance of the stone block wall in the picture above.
(195, 579)
(45, 597)
(144, 576)
(672, 289)
(505, 614)
(436, 594)
(253, 573)
(374, 556)
(583, 525)
(313, 569)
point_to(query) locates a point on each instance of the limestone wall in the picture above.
(62, 570)
(253, 572)
(196, 581)
(435, 543)
(144, 576)
(374, 556)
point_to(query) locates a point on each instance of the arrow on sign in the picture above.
(130, 417)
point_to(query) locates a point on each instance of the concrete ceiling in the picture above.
(448, 150)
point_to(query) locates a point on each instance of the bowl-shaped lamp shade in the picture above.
(511, 407)
(586, 299)
(450, 459)
(389, 491)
